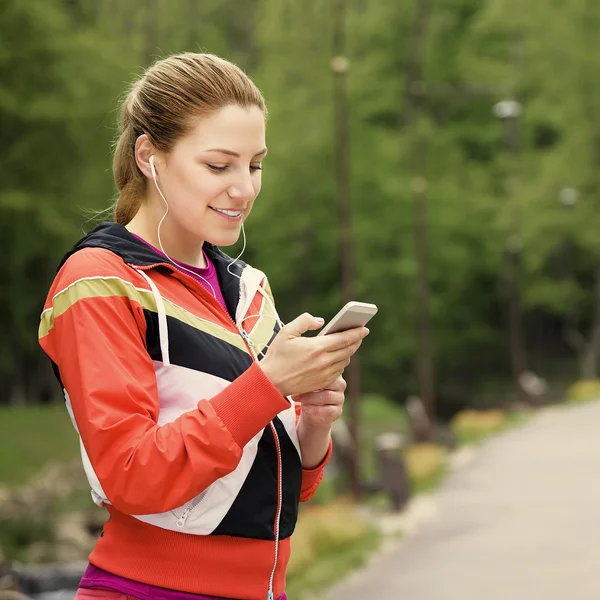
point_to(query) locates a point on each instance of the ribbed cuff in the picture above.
(248, 404)
(312, 477)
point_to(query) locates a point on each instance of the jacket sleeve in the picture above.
(93, 329)
(311, 478)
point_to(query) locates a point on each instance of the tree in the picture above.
(46, 111)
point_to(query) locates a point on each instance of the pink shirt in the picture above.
(201, 275)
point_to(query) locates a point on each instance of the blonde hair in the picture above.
(163, 104)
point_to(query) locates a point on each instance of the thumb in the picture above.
(305, 322)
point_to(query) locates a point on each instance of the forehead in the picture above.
(236, 128)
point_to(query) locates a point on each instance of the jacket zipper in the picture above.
(188, 511)
(277, 523)
(183, 518)
(278, 515)
(250, 345)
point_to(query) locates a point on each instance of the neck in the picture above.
(175, 243)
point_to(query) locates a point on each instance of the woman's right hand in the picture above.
(296, 364)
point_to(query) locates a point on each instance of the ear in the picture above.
(143, 151)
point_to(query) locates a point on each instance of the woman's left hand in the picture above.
(322, 407)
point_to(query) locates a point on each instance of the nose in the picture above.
(243, 188)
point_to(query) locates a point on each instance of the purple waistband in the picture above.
(95, 577)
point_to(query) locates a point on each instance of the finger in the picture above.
(343, 339)
(339, 385)
(335, 371)
(344, 353)
(322, 398)
(305, 322)
(326, 414)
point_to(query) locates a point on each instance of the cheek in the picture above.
(202, 189)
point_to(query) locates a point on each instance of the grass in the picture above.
(32, 437)
(17, 534)
(329, 542)
(426, 466)
(332, 566)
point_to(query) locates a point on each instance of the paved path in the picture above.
(520, 522)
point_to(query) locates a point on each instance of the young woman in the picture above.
(203, 422)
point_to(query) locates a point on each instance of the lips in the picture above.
(232, 214)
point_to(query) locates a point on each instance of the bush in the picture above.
(471, 426)
(380, 411)
(18, 534)
(425, 465)
(580, 391)
(323, 529)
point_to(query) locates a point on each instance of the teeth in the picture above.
(229, 213)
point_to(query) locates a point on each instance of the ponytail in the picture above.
(128, 178)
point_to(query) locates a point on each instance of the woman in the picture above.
(202, 423)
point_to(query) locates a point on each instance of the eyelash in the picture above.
(224, 168)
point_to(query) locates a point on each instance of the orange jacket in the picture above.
(183, 438)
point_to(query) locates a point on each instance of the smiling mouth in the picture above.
(232, 214)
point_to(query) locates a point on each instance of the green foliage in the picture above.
(64, 65)
(32, 437)
(329, 542)
(472, 427)
(378, 415)
(333, 566)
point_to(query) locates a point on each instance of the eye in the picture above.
(256, 167)
(216, 168)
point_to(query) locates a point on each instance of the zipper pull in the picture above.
(182, 519)
(270, 595)
(246, 337)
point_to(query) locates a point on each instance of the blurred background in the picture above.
(439, 158)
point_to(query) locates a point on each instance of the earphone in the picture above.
(152, 168)
(262, 292)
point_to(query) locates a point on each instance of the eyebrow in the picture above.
(232, 153)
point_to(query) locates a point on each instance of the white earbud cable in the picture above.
(160, 241)
(260, 289)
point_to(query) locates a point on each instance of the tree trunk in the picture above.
(413, 100)
(194, 17)
(425, 366)
(414, 88)
(151, 33)
(340, 67)
(588, 362)
(515, 331)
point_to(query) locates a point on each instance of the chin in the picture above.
(224, 238)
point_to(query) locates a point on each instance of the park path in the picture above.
(521, 521)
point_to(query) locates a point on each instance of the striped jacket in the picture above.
(184, 440)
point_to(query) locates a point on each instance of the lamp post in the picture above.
(568, 197)
(509, 113)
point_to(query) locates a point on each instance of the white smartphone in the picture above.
(354, 314)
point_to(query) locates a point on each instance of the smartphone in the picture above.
(354, 314)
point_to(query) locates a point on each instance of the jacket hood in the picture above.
(117, 239)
